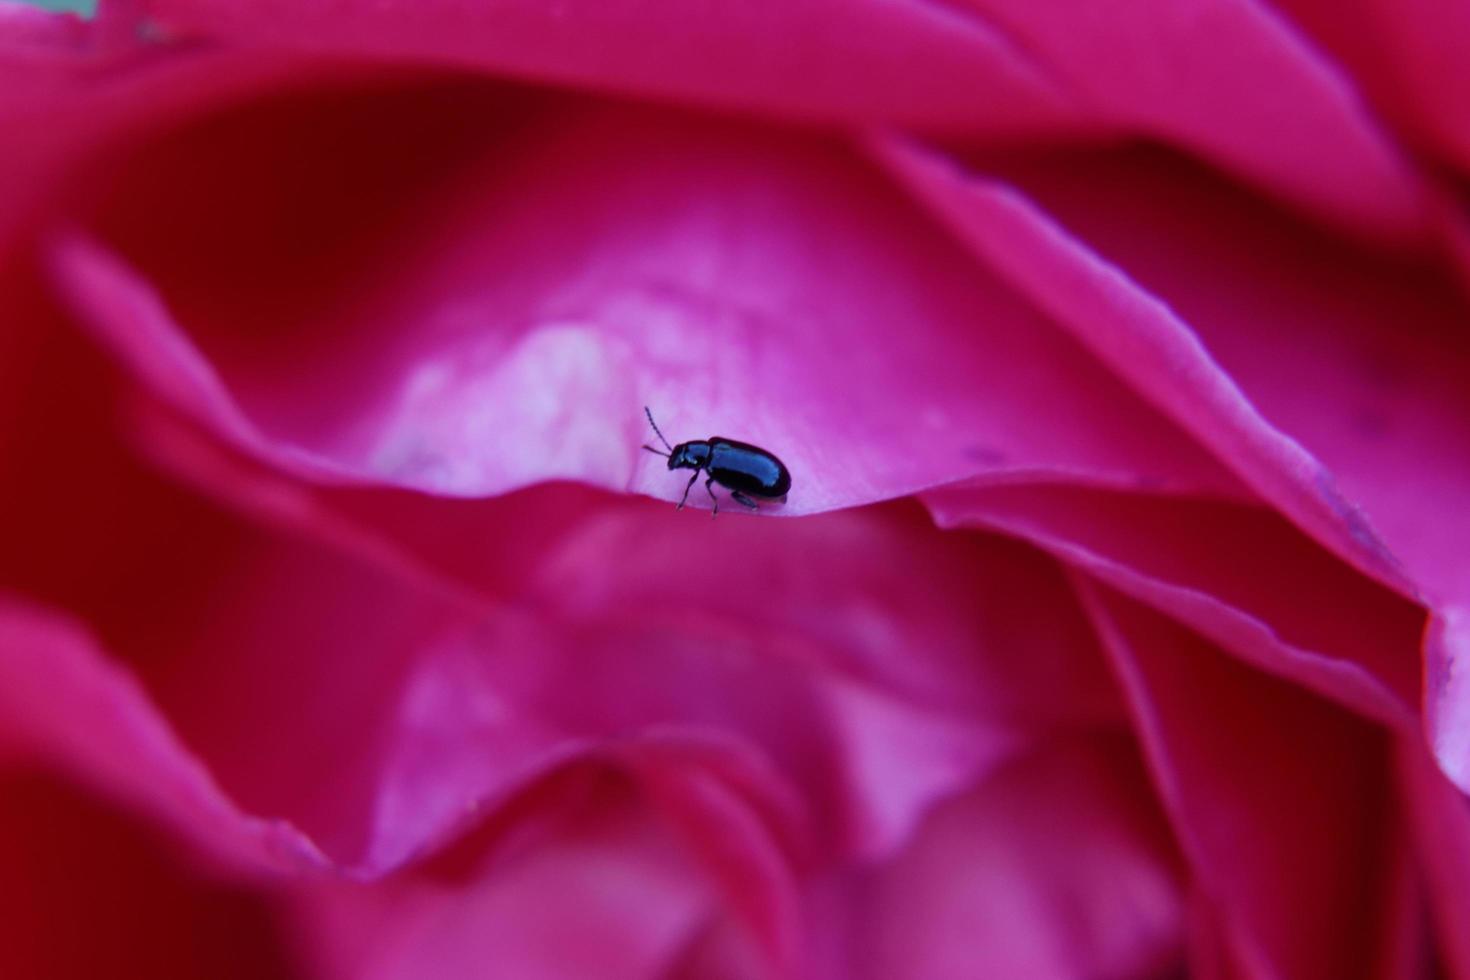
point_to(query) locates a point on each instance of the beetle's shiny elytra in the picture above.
(748, 472)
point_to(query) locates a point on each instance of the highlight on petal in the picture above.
(1447, 693)
(1276, 797)
(594, 260)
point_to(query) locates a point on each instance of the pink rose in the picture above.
(1116, 624)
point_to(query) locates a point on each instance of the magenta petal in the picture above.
(1229, 80)
(1440, 820)
(1213, 954)
(90, 893)
(1277, 798)
(589, 883)
(1407, 57)
(1054, 866)
(903, 728)
(1144, 341)
(740, 281)
(1387, 405)
(60, 700)
(1428, 80)
(1240, 575)
(847, 700)
(910, 62)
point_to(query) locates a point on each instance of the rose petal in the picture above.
(61, 701)
(88, 894)
(1143, 339)
(978, 599)
(1440, 822)
(1276, 797)
(903, 722)
(1227, 79)
(1234, 83)
(421, 703)
(1242, 576)
(1211, 954)
(1383, 333)
(529, 312)
(1385, 400)
(1447, 691)
(1054, 866)
(1406, 55)
(915, 62)
(69, 86)
(625, 898)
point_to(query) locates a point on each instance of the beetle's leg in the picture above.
(687, 487)
(741, 498)
(709, 487)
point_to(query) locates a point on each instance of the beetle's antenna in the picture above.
(660, 434)
(652, 450)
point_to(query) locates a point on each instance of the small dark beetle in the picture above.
(746, 471)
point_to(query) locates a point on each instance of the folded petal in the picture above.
(1240, 575)
(1070, 272)
(1277, 798)
(63, 703)
(1382, 335)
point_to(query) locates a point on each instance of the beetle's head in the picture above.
(689, 456)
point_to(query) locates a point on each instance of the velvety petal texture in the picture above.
(1117, 621)
(575, 256)
(1227, 79)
